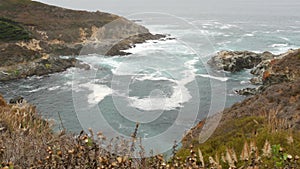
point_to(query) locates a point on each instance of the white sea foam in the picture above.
(96, 60)
(98, 92)
(284, 38)
(227, 26)
(180, 95)
(249, 35)
(148, 46)
(53, 88)
(279, 45)
(36, 90)
(245, 82)
(280, 30)
(223, 79)
(69, 83)
(153, 77)
(26, 86)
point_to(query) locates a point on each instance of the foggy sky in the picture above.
(184, 7)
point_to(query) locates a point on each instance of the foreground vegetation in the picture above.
(248, 142)
(27, 141)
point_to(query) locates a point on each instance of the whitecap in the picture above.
(284, 38)
(53, 88)
(223, 79)
(36, 90)
(227, 26)
(244, 82)
(98, 92)
(279, 45)
(249, 35)
(153, 77)
(180, 95)
(147, 46)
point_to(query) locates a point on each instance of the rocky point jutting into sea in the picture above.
(30, 44)
(270, 116)
(261, 65)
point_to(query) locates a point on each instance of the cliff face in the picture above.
(33, 31)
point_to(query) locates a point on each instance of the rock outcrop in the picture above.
(130, 42)
(15, 100)
(282, 93)
(262, 65)
(39, 67)
(248, 91)
(234, 61)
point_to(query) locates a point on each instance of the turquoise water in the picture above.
(166, 86)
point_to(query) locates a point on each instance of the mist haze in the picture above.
(183, 8)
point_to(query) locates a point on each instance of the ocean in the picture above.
(165, 86)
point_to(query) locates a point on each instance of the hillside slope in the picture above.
(32, 32)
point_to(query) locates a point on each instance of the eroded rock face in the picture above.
(234, 61)
(39, 67)
(268, 69)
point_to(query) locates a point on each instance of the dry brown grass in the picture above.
(27, 141)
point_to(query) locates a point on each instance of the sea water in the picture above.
(166, 86)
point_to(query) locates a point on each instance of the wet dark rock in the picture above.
(246, 91)
(249, 91)
(39, 67)
(130, 42)
(15, 100)
(82, 65)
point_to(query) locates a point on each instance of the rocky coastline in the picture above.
(34, 35)
(270, 115)
(261, 65)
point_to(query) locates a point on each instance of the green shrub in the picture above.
(12, 31)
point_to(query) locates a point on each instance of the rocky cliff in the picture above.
(261, 65)
(34, 34)
(271, 116)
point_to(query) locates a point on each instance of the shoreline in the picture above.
(38, 40)
(268, 115)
